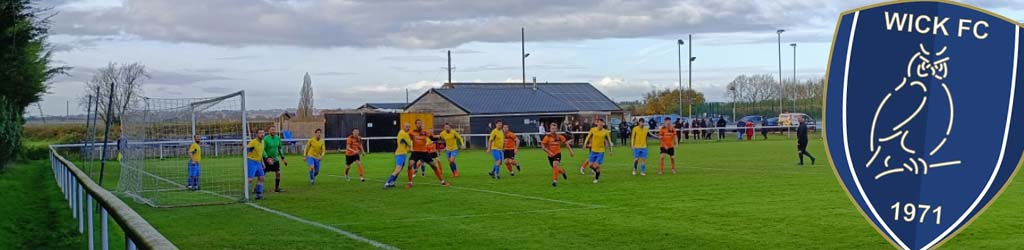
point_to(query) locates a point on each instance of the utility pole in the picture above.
(41, 115)
(524, 54)
(782, 85)
(67, 109)
(449, 67)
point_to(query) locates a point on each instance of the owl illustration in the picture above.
(926, 71)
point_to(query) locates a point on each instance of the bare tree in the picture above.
(127, 80)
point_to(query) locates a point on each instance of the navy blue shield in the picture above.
(920, 120)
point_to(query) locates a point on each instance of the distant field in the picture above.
(747, 195)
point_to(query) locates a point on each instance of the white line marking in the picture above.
(873, 156)
(943, 164)
(903, 143)
(503, 193)
(889, 138)
(943, 142)
(468, 216)
(752, 170)
(1006, 133)
(918, 83)
(286, 215)
(919, 107)
(887, 160)
(888, 172)
(330, 228)
(877, 112)
(846, 137)
(949, 96)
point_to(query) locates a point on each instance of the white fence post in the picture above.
(80, 208)
(92, 244)
(104, 230)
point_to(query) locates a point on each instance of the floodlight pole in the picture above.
(794, 73)
(679, 50)
(689, 71)
(782, 85)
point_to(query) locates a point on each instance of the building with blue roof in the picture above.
(472, 108)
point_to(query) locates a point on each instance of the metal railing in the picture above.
(81, 193)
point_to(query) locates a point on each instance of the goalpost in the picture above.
(155, 138)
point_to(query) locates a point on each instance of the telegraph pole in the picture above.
(449, 67)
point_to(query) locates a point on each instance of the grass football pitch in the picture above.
(732, 195)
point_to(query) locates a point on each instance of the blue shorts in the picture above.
(193, 169)
(596, 157)
(310, 161)
(453, 153)
(255, 168)
(400, 160)
(640, 153)
(497, 154)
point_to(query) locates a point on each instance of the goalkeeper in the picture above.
(273, 155)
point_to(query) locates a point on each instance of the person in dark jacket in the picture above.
(679, 126)
(652, 124)
(721, 127)
(686, 129)
(764, 129)
(624, 133)
(801, 141)
(741, 129)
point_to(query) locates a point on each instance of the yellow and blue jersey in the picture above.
(255, 150)
(404, 142)
(497, 139)
(315, 147)
(639, 136)
(451, 139)
(196, 152)
(597, 138)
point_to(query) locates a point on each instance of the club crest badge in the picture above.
(923, 115)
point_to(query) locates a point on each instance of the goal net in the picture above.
(155, 139)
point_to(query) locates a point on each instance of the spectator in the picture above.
(764, 129)
(651, 124)
(624, 133)
(750, 130)
(679, 126)
(741, 128)
(721, 127)
(577, 128)
(686, 129)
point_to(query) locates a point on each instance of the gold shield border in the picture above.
(824, 104)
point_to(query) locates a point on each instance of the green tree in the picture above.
(666, 101)
(24, 68)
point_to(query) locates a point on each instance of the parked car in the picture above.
(753, 118)
(790, 119)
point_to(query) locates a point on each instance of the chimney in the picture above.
(534, 83)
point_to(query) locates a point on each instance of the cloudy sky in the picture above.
(373, 50)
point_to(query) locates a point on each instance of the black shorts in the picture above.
(509, 154)
(349, 159)
(552, 159)
(433, 155)
(801, 147)
(275, 167)
(669, 151)
(421, 156)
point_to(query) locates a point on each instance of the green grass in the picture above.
(34, 214)
(727, 195)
